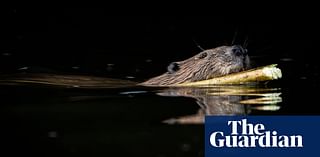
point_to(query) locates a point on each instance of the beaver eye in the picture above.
(202, 55)
(173, 67)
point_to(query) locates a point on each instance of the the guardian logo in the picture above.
(245, 134)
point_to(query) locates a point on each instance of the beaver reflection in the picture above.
(224, 100)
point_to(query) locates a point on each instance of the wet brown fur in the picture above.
(205, 65)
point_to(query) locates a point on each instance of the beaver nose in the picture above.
(238, 50)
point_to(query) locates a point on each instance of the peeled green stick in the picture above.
(265, 73)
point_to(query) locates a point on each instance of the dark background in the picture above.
(90, 42)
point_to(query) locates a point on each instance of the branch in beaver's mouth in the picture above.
(266, 73)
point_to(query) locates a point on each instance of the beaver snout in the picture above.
(238, 50)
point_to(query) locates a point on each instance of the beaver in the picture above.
(207, 64)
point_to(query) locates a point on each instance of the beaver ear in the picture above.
(173, 67)
(202, 55)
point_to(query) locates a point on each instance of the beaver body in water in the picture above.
(207, 64)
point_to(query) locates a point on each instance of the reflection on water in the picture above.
(212, 100)
(64, 81)
(225, 100)
(89, 115)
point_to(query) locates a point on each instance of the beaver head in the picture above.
(207, 64)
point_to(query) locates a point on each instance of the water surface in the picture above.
(55, 120)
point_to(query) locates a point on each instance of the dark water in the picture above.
(48, 120)
(44, 120)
